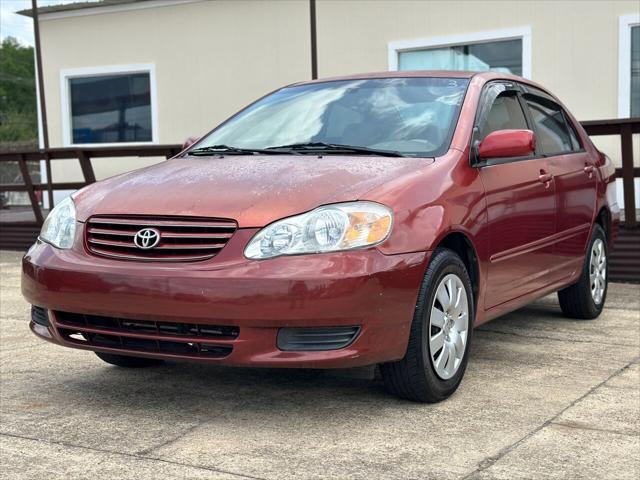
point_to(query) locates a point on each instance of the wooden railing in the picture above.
(83, 156)
(624, 128)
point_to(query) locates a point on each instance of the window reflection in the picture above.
(635, 71)
(502, 56)
(414, 116)
(111, 108)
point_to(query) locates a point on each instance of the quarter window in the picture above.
(554, 135)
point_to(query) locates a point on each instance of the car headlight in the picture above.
(59, 229)
(331, 228)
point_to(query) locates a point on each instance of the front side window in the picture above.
(411, 116)
(504, 114)
(110, 108)
(554, 135)
(502, 56)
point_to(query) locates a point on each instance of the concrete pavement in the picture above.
(543, 397)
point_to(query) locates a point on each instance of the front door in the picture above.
(521, 206)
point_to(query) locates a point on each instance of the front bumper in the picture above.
(362, 288)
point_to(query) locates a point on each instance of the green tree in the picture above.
(18, 115)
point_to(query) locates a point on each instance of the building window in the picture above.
(112, 105)
(502, 56)
(635, 71)
(507, 51)
(629, 66)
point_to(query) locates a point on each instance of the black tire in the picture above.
(414, 377)
(577, 301)
(125, 361)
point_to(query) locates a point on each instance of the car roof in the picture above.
(482, 76)
(421, 74)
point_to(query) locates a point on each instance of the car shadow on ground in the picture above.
(208, 387)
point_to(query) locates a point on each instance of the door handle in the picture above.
(588, 169)
(545, 178)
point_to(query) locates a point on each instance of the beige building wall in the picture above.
(213, 57)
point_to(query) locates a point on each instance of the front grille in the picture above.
(182, 239)
(40, 316)
(316, 339)
(184, 339)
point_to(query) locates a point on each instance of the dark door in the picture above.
(521, 205)
(573, 172)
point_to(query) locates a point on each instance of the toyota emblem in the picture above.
(147, 238)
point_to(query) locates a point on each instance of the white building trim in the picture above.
(65, 109)
(624, 63)
(127, 7)
(524, 33)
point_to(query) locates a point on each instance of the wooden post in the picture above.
(47, 164)
(314, 39)
(626, 136)
(37, 212)
(87, 168)
(41, 98)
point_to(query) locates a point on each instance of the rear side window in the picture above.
(505, 114)
(554, 135)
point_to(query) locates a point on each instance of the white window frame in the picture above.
(624, 63)
(65, 98)
(522, 33)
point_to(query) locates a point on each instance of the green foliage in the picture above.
(18, 115)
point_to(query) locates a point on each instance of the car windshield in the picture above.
(409, 116)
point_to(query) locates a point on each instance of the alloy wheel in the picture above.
(598, 271)
(448, 326)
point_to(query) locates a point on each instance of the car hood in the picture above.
(253, 190)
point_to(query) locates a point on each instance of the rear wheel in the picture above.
(440, 336)
(585, 299)
(128, 362)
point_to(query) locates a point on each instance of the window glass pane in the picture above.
(575, 143)
(413, 116)
(553, 133)
(111, 109)
(635, 71)
(502, 56)
(505, 114)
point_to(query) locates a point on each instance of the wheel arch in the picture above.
(603, 218)
(461, 244)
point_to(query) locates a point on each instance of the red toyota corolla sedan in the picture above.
(372, 219)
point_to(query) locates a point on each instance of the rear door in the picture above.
(521, 204)
(574, 175)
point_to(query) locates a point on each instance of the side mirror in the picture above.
(507, 143)
(189, 141)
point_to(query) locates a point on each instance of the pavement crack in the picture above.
(490, 461)
(577, 426)
(145, 452)
(130, 455)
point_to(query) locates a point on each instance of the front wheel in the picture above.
(440, 336)
(585, 299)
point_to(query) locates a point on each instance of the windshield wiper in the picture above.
(227, 150)
(322, 147)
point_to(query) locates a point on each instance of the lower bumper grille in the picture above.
(316, 339)
(40, 316)
(167, 338)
